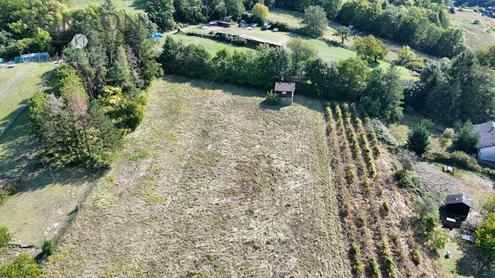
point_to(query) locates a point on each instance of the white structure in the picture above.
(486, 146)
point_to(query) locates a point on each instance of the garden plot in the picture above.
(373, 210)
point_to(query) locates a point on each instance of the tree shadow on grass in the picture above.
(19, 163)
(310, 103)
(472, 264)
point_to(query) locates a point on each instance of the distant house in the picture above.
(486, 145)
(457, 207)
(285, 91)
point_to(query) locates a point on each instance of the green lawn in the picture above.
(477, 35)
(18, 84)
(212, 46)
(44, 199)
(132, 6)
(292, 19)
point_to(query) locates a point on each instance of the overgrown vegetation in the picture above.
(5, 237)
(23, 266)
(427, 223)
(452, 91)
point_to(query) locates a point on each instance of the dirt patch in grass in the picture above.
(242, 190)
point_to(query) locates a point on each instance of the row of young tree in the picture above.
(96, 97)
(380, 92)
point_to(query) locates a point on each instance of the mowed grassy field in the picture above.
(17, 85)
(44, 199)
(132, 6)
(212, 184)
(478, 36)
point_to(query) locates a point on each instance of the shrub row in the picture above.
(390, 266)
(357, 264)
(372, 137)
(374, 268)
(368, 154)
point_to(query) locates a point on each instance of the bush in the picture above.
(428, 224)
(5, 237)
(272, 98)
(282, 26)
(388, 259)
(484, 237)
(386, 208)
(7, 190)
(416, 255)
(48, 248)
(24, 266)
(407, 179)
(374, 268)
(418, 140)
(357, 265)
(437, 239)
(467, 139)
(461, 160)
(383, 133)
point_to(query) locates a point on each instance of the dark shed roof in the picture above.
(457, 199)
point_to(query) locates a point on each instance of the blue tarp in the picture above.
(157, 36)
(33, 57)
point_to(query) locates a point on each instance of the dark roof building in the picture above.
(457, 206)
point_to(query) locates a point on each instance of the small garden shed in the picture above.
(457, 206)
(285, 91)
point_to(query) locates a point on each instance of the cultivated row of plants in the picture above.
(365, 213)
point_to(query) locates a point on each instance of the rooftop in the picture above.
(457, 199)
(487, 134)
(285, 87)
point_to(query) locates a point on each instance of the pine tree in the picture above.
(419, 139)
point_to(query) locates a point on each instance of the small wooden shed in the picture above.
(457, 206)
(285, 91)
